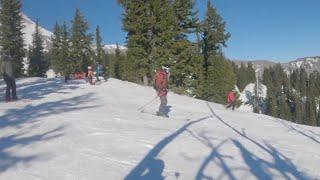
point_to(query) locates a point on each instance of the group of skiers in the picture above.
(161, 84)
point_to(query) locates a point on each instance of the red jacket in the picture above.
(161, 82)
(231, 97)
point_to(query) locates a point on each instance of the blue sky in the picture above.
(279, 30)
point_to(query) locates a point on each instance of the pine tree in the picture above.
(65, 52)
(242, 77)
(81, 52)
(38, 66)
(214, 35)
(303, 82)
(150, 33)
(11, 40)
(117, 63)
(186, 65)
(282, 101)
(220, 80)
(56, 62)
(219, 77)
(100, 54)
(110, 67)
(298, 109)
(60, 52)
(136, 24)
(251, 74)
(311, 114)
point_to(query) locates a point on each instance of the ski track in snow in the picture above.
(77, 131)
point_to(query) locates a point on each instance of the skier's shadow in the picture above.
(154, 171)
(150, 167)
(167, 109)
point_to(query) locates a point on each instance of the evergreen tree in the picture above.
(186, 66)
(38, 66)
(100, 54)
(110, 67)
(56, 62)
(219, 77)
(150, 32)
(303, 77)
(117, 63)
(242, 77)
(284, 109)
(60, 52)
(311, 114)
(65, 52)
(11, 40)
(136, 24)
(278, 92)
(214, 35)
(298, 109)
(251, 74)
(220, 80)
(81, 52)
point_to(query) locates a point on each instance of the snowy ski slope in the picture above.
(81, 132)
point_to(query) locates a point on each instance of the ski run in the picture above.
(75, 131)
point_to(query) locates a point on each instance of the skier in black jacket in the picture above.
(6, 70)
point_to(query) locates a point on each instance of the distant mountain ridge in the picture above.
(29, 28)
(310, 64)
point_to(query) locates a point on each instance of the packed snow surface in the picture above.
(59, 131)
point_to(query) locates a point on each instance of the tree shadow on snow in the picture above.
(30, 113)
(303, 133)
(259, 167)
(214, 156)
(8, 159)
(152, 168)
(39, 88)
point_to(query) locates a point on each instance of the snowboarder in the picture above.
(6, 69)
(90, 75)
(231, 99)
(161, 86)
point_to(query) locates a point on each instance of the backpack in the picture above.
(161, 80)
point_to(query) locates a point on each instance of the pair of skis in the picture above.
(142, 108)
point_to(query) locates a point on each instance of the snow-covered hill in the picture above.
(310, 64)
(111, 48)
(76, 131)
(29, 29)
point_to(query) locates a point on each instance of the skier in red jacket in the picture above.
(161, 86)
(231, 99)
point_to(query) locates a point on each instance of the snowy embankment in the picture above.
(83, 132)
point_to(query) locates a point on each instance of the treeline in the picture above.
(75, 48)
(245, 74)
(293, 97)
(159, 32)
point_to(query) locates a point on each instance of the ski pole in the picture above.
(143, 107)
